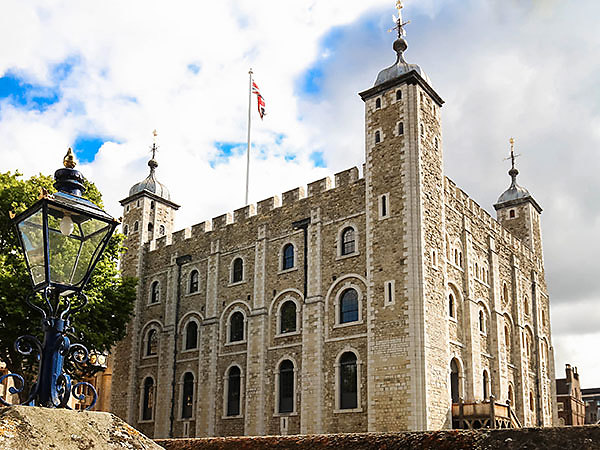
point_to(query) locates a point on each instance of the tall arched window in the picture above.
(451, 306)
(288, 257)
(507, 337)
(481, 321)
(148, 399)
(377, 137)
(136, 226)
(505, 293)
(531, 405)
(236, 327)
(526, 305)
(237, 270)
(511, 395)
(233, 391)
(398, 94)
(348, 241)
(349, 306)
(486, 385)
(152, 342)
(454, 381)
(187, 399)
(348, 381)
(400, 128)
(288, 317)
(150, 226)
(191, 335)
(377, 103)
(194, 281)
(286, 386)
(154, 292)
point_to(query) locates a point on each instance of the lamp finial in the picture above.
(69, 159)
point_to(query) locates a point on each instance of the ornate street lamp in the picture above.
(63, 236)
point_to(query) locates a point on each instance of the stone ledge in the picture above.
(580, 438)
(29, 427)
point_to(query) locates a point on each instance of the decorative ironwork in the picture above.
(59, 361)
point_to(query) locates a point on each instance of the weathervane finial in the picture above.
(398, 20)
(154, 147)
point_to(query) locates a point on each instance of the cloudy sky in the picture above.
(100, 76)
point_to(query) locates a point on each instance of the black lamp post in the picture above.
(63, 236)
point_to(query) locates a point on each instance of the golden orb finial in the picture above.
(69, 159)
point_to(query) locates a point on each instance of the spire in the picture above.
(153, 163)
(513, 172)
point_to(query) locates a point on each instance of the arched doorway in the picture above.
(454, 381)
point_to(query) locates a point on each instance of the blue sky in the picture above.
(100, 77)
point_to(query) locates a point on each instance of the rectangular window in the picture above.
(384, 206)
(389, 288)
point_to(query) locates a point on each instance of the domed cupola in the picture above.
(515, 194)
(150, 183)
(400, 67)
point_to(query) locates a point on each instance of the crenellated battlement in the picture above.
(261, 210)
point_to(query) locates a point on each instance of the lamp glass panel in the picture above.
(72, 255)
(32, 238)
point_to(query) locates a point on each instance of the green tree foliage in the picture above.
(100, 324)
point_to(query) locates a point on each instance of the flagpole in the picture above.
(249, 118)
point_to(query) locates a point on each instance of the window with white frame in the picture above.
(384, 205)
(194, 284)
(191, 335)
(287, 317)
(287, 257)
(348, 241)
(348, 307)
(233, 392)
(237, 270)
(286, 386)
(236, 327)
(155, 292)
(389, 291)
(187, 397)
(148, 399)
(151, 342)
(348, 381)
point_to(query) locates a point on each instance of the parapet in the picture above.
(319, 186)
(181, 235)
(266, 205)
(346, 177)
(221, 221)
(242, 214)
(292, 196)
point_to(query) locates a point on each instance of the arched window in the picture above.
(481, 321)
(377, 103)
(349, 306)
(148, 399)
(511, 395)
(286, 386)
(237, 274)
(288, 257)
(187, 399)
(194, 281)
(398, 94)
(348, 241)
(150, 226)
(377, 137)
(527, 345)
(161, 230)
(288, 317)
(505, 293)
(152, 342)
(400, 128)
(152, 204)
(454, 381)
(236, 327)
(348, 381)
(543, 318)
(136, 226)
(154, 292)
(451, 306)
(233, 391)
(486, 385)
(531, 405)
(125, 230)
(511, 214)
(526, 305)
(506, 337)
(191, 335)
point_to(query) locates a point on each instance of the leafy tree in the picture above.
(99, 325)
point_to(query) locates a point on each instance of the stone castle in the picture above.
(366, 304)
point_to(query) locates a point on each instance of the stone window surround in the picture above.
(294, 411)
(227, 325)
(183, 324)
(150, 325)
(485, 374)
(141, 400)
(380, 207)
(243, 280)
(461, 375)
(337, 366)
(397, 128)
(395, 98)
(387, 299)
(180, 417)
(280, 257)
(336, 305)
(298, 330)
(188, 279)
(381, 136)
(486, 318)
(339, 243)
(226, 391)
(159, 296)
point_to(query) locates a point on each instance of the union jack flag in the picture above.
(259, 100)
